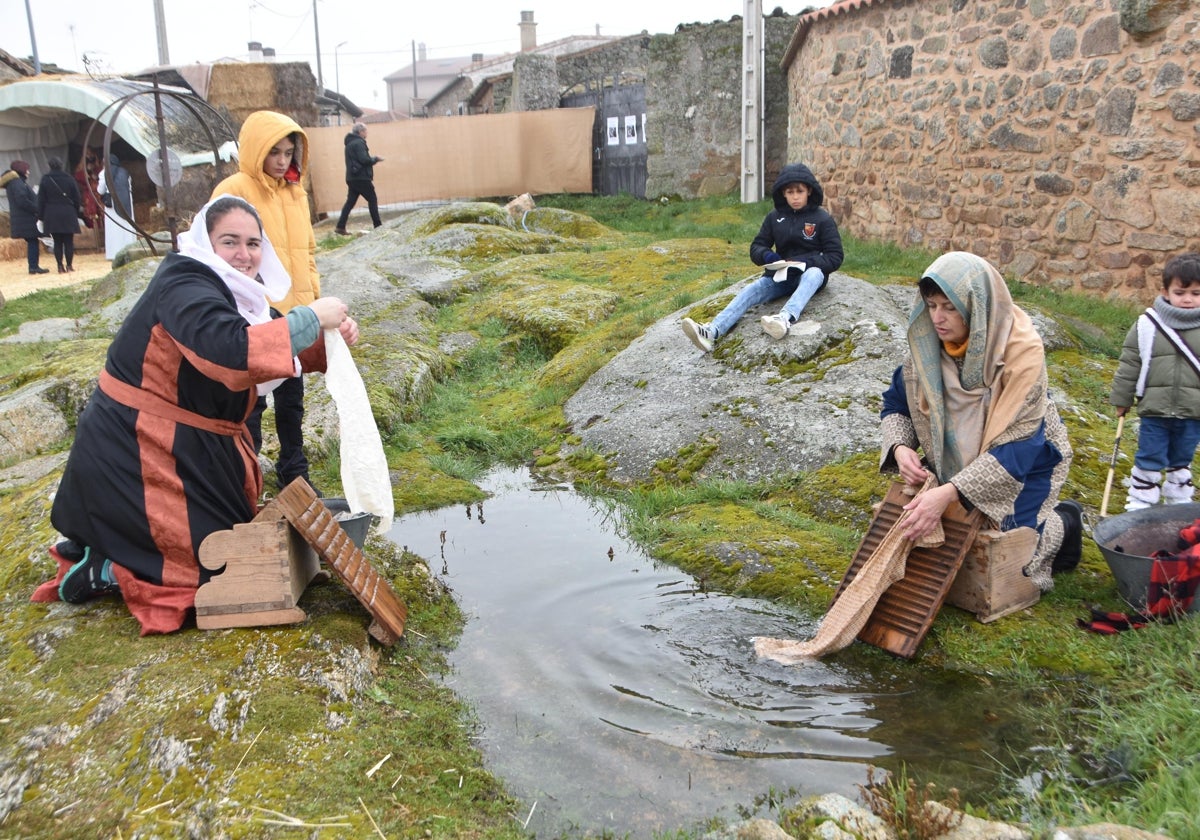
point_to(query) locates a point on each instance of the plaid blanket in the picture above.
(1173, 582)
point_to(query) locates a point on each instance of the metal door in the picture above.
(618, 138)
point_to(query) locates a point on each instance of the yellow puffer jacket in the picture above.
(282, 205)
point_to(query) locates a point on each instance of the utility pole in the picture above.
(753, 61)
(37, 62)
(414, 66)
(160, 29)
(317, 33)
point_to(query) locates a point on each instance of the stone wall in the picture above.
(693, 82)
(535, 82)
(1058, 139)
(617, 63)
(694, 108)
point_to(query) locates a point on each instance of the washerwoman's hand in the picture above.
(925, 511)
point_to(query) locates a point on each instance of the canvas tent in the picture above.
(45, 115)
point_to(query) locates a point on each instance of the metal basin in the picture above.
(355, 525)
(1128, 539)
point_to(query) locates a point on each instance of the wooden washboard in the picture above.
(316, 523)
(907, 609)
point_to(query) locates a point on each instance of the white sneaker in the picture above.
(776, 326)
(700, 334)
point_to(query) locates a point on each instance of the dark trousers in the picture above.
(32, 251)
(64, 249)
(289, 425)
(367, 190)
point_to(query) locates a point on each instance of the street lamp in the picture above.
(337, 78)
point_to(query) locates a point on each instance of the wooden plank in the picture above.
(316, 523)
(263, 572)
(905, 612)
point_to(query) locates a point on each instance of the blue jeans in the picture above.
(1166, 442)
(798, 292)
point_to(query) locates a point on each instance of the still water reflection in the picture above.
(616, 696)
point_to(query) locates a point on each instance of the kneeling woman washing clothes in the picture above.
(972, 396)
(162, 456)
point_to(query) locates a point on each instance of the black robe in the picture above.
(162, 457)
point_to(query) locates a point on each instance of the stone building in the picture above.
(1058, 139)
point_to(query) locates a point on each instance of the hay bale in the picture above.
(241, 89)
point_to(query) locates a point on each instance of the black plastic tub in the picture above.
(1128, 539)
(355, 525)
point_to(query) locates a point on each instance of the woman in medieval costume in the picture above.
(162, 456)
(972, 396)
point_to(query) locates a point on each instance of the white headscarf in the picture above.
(253, 296)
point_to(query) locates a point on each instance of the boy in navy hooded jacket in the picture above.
(798, 245)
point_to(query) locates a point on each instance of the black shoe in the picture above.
(1071, 551)
(340, 232)
(39, 270)
(90, 578)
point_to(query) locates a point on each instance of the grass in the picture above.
(1123, 752)
(674, 516)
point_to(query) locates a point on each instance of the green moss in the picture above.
(289, 719)
(816, 368)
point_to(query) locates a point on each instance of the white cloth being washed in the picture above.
(365, 479)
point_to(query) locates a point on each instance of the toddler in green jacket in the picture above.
(1160, 373)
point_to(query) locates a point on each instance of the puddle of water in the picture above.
(619, 697)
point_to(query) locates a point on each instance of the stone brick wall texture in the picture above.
(1057, 139)
(694, 108)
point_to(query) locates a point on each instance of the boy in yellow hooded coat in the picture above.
(272, 154)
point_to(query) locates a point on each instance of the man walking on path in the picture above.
(360, 171)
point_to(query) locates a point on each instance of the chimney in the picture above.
(256, 50)
(268, 54)
(528, 32)
(421, 52)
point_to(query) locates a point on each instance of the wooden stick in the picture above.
(1112, 467)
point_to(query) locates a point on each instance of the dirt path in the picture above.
(15, 279)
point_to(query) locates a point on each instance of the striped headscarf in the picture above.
(1003, 362)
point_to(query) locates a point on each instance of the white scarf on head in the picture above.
(251, 294)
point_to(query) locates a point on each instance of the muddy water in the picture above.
(613, 695)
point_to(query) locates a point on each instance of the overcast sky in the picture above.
(376, 36)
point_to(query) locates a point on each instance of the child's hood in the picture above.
(261, 131)
(796, 173)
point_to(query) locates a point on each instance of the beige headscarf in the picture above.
(1004, 361)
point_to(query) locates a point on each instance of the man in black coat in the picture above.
(22, 211)
(360, 172)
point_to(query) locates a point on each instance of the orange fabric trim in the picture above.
(142, 400)
(165, 500)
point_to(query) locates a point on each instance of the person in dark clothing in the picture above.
(59, 208)
(798, 245)
(22, 211)
(162, 456)
(360, 172)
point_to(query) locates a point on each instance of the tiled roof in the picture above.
(806, 21)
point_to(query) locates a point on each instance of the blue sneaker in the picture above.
(90, 578)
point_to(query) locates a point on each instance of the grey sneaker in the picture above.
(776, 326)
(701, 335)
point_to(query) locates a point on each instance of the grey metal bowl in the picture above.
(355, 525)
(1128, 539)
